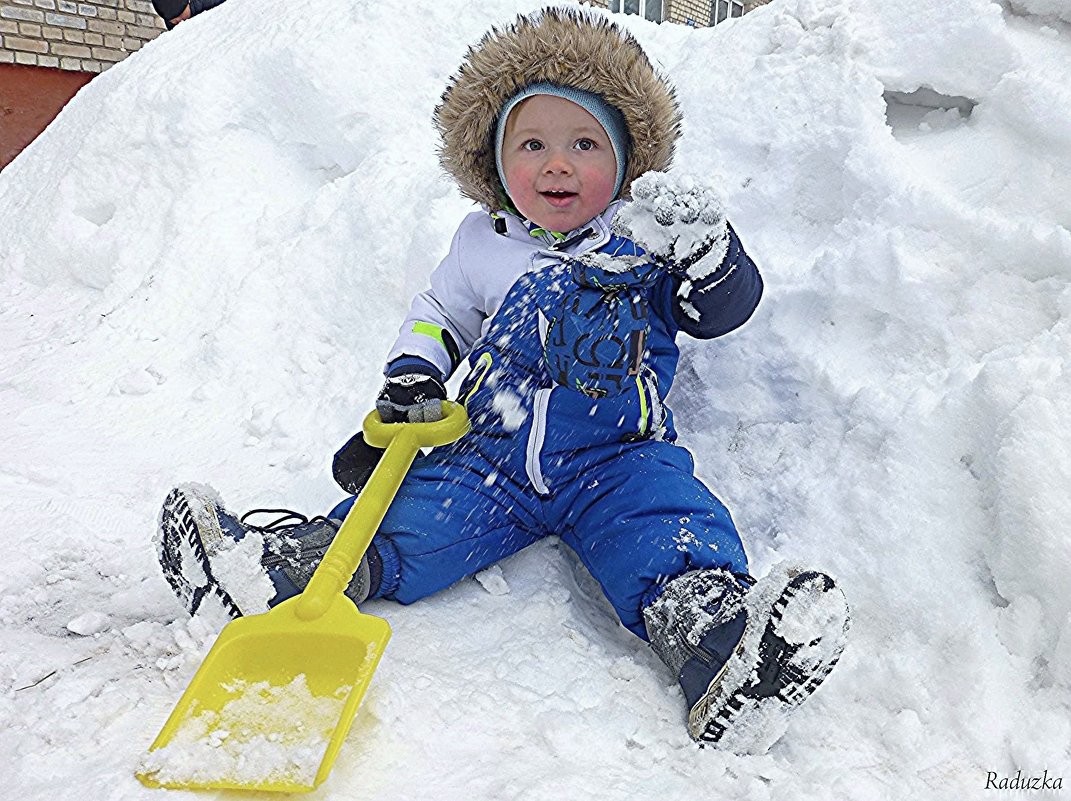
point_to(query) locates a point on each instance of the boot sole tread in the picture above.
(797, 683)
(179, 527)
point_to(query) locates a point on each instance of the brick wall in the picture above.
(688, 12)
(83, 36)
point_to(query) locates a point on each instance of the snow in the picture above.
(204, 260)
(265, 734)
(507, 405)
(1054, 8)
(493, 581)
(675, 216)
(238, 566)
(89, 623)
(813, 610)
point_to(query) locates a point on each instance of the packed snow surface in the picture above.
(204, 260)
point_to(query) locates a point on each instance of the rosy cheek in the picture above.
(603, 184)
(516, 176)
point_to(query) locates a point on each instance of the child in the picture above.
(566, 298)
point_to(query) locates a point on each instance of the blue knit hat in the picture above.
(611, 120)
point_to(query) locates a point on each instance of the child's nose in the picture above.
(558, 162)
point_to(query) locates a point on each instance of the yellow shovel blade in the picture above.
(272, 702)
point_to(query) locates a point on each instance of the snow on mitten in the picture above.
(679, 222)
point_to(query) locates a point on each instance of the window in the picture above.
(648, 9)
(722, 10)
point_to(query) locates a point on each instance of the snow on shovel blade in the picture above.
(272, 702)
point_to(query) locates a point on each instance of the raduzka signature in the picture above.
(1021, 782)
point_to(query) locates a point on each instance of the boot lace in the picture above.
(285, 519)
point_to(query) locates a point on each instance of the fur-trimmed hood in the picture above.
(564, 46)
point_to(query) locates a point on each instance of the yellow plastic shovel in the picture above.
(272, 702)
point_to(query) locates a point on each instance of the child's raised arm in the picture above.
(682, 224)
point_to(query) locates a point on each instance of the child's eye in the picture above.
(584, 144)
(532, 144)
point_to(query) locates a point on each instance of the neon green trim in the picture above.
(433, 331)
(507, 205)
(484, 362)
(541, 231)
(643, 406)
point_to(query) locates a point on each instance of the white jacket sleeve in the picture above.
(445, 320)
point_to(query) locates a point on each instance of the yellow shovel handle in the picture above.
(402, 442)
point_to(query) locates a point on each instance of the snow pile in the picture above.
(1054, 8)
(205, 258)
(265, 734)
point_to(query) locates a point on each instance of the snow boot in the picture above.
(746, 656)
(205, 550)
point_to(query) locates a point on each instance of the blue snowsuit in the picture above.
(602, 474)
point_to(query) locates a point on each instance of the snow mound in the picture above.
(204, 260)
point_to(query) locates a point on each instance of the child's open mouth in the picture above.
(558, 197)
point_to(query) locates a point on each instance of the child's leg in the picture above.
(670, 561)
(455, 514)
(641, 518)
(208, 552)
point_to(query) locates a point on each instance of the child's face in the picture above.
(558, 162)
